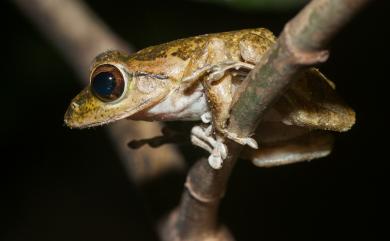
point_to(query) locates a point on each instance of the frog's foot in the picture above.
(202, 137)
(216, 72)
(241, 140)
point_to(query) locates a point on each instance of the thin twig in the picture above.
(301, 44)
(80, 35)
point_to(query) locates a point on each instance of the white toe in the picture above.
(215, 161)
(206, 117)
(209, 130)
(252, 143)
(222, 150)
(198, 142)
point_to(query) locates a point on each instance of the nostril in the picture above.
(75, 106)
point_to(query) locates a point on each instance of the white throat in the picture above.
(179, 105)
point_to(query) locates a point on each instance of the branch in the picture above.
(261, 5)
(301, 44)
(80, 35)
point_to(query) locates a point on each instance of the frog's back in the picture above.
(187, 47)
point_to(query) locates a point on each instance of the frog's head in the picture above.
(114, 92)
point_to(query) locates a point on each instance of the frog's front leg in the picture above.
(211, 138)
(219, 88)
(215, 72)
(220, 96)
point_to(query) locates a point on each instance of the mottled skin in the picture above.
(171, 81)
(166, 66)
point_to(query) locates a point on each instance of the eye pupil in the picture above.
(107, 83)
(104, 84)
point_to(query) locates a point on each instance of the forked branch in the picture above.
(302, 44)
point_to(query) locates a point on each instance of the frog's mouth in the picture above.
(75, 118)
(83, 116)
(87, 111)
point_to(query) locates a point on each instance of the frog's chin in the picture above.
(74, 124)
(76, 119)
(81, 116)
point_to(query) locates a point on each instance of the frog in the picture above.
(196, 79)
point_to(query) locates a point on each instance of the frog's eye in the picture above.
(107, 83)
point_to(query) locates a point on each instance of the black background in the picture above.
(63, 184)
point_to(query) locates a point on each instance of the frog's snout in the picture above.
(85, 111)
(81, 115)
(81, 111)
(71, 116)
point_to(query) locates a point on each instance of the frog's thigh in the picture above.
(253, 47)
(310, 147)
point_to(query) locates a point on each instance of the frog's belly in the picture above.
(179, 106)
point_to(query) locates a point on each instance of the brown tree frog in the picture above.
(195, 79)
